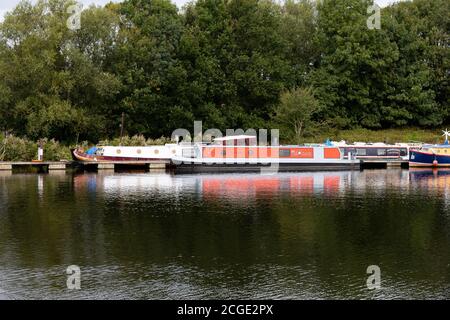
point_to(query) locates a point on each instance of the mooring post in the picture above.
(40, 151)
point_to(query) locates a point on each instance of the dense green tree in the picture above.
(53, 77)
(393, 76)
(148, 66)
(299, 30)
(350, 76)
(236, 59)
(418, 78)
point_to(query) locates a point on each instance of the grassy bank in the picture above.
(387, 135)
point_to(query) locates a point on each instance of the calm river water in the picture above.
(285, 236)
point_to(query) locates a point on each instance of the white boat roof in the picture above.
(238, 137)
(342, 143)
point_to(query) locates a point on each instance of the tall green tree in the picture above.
(52, 77)
(418, 78)
(236, 59)
(299, 30)
(350, 75)
(148, 65)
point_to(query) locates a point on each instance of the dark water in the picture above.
(288, 236)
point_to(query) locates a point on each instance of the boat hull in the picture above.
(427, 159)
(273, 167)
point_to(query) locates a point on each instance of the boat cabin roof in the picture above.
(437, 146)
(369, 144)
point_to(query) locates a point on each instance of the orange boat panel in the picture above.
(260, 152)
(331, 153)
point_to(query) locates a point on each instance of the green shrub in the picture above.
(13, 148)
(17, 149)
(54, 151)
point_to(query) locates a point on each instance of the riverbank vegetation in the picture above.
(408, 135)
(231, 64)
(14, 148)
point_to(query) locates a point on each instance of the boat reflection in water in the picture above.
(231, 186)
(431, 178)
(245, 186)
(251, 186)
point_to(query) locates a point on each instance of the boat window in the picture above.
(373, 152)
(393, 152)
(361, 152)
(403, 152)
(285, 152)
(351, 150)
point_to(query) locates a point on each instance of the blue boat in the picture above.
(431, 155)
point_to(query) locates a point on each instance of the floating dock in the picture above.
(39, 165)
(46, 166)
(92, 166)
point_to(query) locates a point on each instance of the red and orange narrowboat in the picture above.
(240, 153)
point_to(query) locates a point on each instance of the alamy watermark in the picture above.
(374, 20)
(374, 280)
(73, 277)
(74, 21)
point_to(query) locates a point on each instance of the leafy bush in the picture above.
(17, 149)
(13, 148)
(54, 151)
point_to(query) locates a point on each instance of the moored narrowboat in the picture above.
(379, 150)
(437, 155)
(123, 154)
(240, 153)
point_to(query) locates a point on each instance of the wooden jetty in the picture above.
(148, 165)
(42, 165)
(46, 166)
